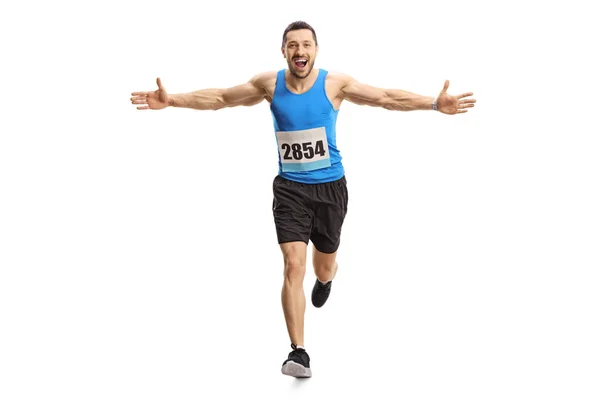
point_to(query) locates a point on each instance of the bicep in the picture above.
(363, 94)
(246, 94)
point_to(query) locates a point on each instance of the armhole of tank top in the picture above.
(324, 89)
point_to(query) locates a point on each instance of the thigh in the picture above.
(294, 252)
(294, 259)
(330, 209)
(322, 260)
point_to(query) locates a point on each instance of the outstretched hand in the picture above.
(156, 100)
(449, 104)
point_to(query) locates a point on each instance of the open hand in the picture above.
(449, 104)
(156, 100)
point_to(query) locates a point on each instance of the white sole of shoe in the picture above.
(296, 370)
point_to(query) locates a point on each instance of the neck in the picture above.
(301, 85)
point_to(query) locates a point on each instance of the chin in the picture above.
(300, 74)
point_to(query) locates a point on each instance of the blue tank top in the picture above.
(305, 133)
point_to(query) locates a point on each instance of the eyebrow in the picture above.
(306, 41)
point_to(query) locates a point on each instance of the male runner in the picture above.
(310, 195)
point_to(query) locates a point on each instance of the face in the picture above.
(300, 52)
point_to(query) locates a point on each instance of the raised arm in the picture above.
(401, 100)
(246, 94)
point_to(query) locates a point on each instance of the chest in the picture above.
(332, 92)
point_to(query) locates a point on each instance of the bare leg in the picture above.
(292, 292)
(325, 265)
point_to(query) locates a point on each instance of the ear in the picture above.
(283, 52)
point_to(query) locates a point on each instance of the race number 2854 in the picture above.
(303, 150)
(297, 151)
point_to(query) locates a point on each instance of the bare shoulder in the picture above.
(339, 78)
(264, 80)
(337, 84)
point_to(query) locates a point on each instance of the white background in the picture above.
(137, 248)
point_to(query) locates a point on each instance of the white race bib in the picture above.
(304, 150)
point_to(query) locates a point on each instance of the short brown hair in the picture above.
(297, 25)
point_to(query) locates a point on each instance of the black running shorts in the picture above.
(314, 212)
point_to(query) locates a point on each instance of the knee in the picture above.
(324, 266)
(325, 271)
(294, 270)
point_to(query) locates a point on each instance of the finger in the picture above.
(461, 111)
(143, 108)
(467, 101)
(159, 83)
(140, 93)
(138, 101)
(446, 84)
(466, 105)
(465, 95)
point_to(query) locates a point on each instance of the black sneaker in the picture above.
(297, 364)
(320, 293)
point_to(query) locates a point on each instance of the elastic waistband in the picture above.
(291, 182)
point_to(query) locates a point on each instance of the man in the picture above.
(310, 194)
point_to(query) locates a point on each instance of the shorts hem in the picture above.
(292, 240)
(326, 252)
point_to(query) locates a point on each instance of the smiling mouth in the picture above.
(300, 63)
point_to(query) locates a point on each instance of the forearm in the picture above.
(401, 100)
(205, 99)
